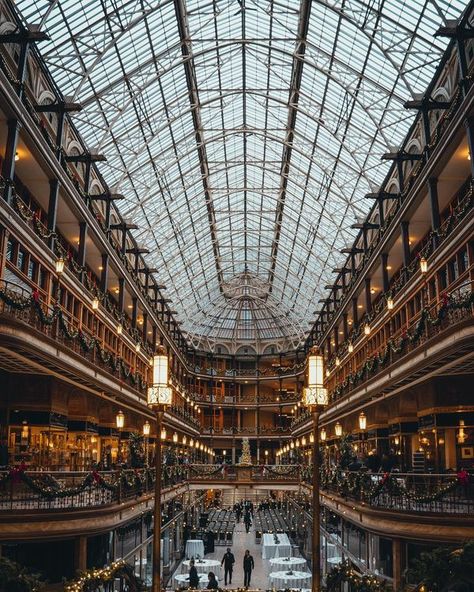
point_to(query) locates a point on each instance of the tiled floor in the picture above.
(241, 542)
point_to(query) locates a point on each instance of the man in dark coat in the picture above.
(247, 520)
(249, 564)
(228, 562)
(193, 575)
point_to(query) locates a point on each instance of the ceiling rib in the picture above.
(297, 72)
(188, 65)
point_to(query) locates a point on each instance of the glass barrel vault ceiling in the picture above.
(244, 135)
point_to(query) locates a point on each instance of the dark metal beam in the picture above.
(293, 99)
(188, 65)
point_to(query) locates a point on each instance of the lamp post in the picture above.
(159, 396)
(146, 434)
(315, 398)
(120, 422)
(59, 271)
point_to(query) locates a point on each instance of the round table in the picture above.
(287, 563)
(194, 548)
(182, 580)
(204, 566)
(298, 579)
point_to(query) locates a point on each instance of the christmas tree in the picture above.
(245, 459)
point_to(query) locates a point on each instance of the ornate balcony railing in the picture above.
(431, 321)
(63, 490)
(60, 325)
(401, 492)
(236, 473)
(251, 431)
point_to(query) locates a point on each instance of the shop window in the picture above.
(21, 259)
(10, 250)
(43, 278)
(32, 266)
(442, 279)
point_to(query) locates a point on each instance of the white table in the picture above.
(182, 580)
(298, 579)
(287, 563)
(334, 560)
(194, 548)
(203, 566)
(270, 549)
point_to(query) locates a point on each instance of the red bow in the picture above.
(35, 295)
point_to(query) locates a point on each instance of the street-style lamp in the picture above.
(323, 435)
(315, 398)
(362, 422)
(95, 303)
(423, 265)
(146, 434)
(59, 265)
(338, 429)
(159, 396)
(120, 422)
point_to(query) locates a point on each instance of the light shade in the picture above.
(160, 368)
(367, 329)
(315, 396)
(338, 361)
(191, 443)
(59, 265)
(390, 303)
(350, 348)
(303, 441)
(196, 444)
(120, 420)
(315, 368)
(423, 265)
(119, 329)
(338, 429)
(146, 428)
(95, 303)
(159, 395)
(311, 438)
(175, 437)
(362, 421)
(323, 435)
(184, 440)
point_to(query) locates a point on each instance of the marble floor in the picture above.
(241, 542)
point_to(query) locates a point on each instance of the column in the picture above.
(82, 244)
(368, 297)
(80, 553)
(355, 314)
(385, 280)
(434, 207)
(404, 228)
(8, 167)
(134, 312)
(121, 294)
(345, 327)
(104, 276)
(397, 561)
(381, 212)
(52, 209)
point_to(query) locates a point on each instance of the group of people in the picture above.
(228, 562)
(244, 509)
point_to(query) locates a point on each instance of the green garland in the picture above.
(21, 303)
(345, 574)
(359, 485)
(397, 346)
(96, 579)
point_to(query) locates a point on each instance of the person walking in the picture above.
(247, 521)
(193, 575)
(249, 565)
(228, 562)
(212, 581)
(238, 512)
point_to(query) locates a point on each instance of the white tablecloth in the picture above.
(299, 579)
(182, 580)
(334, 560)
(206, 566)
(287, 563)
(194, 548)
(270, 549)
